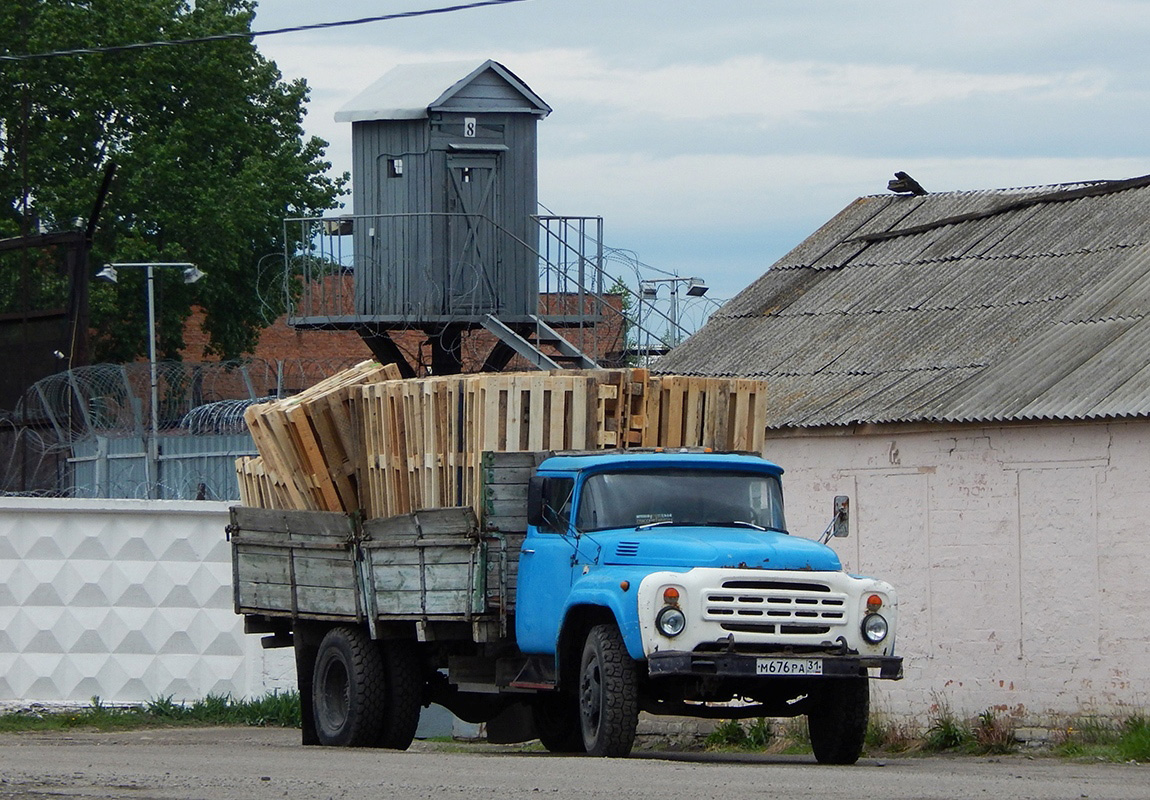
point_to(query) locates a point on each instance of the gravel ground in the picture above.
(259, 764)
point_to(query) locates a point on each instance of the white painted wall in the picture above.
(1020, 554)
(128, 600)
(1021, 557)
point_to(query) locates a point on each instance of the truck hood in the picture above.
(713, 547)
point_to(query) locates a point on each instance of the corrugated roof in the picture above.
(998, 305)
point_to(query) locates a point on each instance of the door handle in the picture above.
(527, 552)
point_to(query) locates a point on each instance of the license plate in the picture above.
(789, 666)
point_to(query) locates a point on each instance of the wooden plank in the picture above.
(513, 492)
(265, 596)
(395, 577)
(742, 417)
(673, 410)
(536, 430)
(398, 490)
(504, 508)
(263, 568)
(426, 551)
(303, 525)
(366, 414)
(759, 425)
(448, 604)
(331, 417)
(326, 600)
(278, 468)
(516, 416)
(652, 411)
(312, 570)
(310, 453)
(693, 412)
(431, 522)
(505, 523)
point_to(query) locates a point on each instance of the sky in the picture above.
(713, 137)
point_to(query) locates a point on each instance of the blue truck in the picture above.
(586, 588)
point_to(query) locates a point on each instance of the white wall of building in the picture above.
(1020, 555)
(128, 600)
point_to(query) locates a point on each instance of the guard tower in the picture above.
(445, 189)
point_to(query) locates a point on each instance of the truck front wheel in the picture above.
(364, 695)
(838, 720)
(608, 693)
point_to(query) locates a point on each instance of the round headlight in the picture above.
(670, 621)
(874, 628)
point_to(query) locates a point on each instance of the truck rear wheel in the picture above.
(347, 689)
(365, 694)
(608, 694)
(557, 723)
(403, 694)
(838, 720)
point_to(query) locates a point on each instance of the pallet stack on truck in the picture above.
(381, 532)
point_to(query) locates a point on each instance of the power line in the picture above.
(252, 34)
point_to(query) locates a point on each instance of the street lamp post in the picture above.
(649, 288)
(191, 274)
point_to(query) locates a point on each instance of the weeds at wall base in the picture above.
(1094, 738)
(276, 709)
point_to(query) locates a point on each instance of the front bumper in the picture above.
(737, 665)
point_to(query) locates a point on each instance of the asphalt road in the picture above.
(259, 764)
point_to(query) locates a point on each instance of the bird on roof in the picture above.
(904, 184)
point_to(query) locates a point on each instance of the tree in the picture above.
(210, 155)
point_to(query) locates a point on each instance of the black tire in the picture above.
(348, 689)
(608, 694)
(403, 694)
(557, 724)
(838, 720)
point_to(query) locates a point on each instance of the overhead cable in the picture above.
(81, 51)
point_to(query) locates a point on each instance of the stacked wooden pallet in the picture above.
(309, 446)
(388, 446)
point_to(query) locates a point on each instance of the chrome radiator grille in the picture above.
(773, 606)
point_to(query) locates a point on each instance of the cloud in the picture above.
(777, 92)
(769, 91)
(701, 192)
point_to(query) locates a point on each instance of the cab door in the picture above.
(546, 570)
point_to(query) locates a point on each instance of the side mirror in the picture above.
(841, 524)
(535, 501)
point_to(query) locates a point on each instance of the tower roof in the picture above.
(413, 91)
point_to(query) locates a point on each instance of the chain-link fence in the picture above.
(87, 432)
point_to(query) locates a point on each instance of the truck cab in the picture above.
(669, 582)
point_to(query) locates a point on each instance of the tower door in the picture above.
(473, 240)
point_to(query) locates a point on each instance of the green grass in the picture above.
(276, 709)
(731, 734)
(1134, 740)
(1096, 739)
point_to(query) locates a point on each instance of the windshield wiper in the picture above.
(742, 523)
(657, 523)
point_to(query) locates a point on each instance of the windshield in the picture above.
(634, 498)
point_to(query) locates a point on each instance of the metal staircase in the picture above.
(513, 342)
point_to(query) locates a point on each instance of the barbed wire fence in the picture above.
(84, 432)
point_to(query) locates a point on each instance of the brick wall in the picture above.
(279, 342)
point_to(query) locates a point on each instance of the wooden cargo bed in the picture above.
(430, 566)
